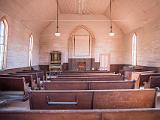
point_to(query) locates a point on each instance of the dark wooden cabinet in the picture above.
(55, 61)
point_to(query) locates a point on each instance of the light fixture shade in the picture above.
(111, 34)
(57, 34)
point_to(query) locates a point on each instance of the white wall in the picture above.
(98, 24)
(18, 44)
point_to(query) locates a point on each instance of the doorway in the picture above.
(104, 62)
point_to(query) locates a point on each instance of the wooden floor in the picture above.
(25, 105)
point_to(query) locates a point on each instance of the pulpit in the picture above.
(55, 61)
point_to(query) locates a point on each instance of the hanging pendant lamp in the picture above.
(111, 33)
(57, 33)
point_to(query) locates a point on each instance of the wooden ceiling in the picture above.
(133, 14)
(84, 7)
(35, 14)
(128, 14)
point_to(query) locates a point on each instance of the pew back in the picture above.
(145, 77)
(92, 99)
(124, 99)
(12, 84)
(85, 74)
(91, 78)
(60, 100)
(128, 114)
(28, 78)
(39, 74)
(87, 85)
(34, 76)
(154, 81)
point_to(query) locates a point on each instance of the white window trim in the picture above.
(30, 49)
(4, 64)
(134, 49)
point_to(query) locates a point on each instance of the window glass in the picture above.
(30, 49)
(134, 50)
(3, 42)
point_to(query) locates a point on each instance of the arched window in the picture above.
(134, 49)
(3, 42)
(30, 49)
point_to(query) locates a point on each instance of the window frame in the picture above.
(30, 50)
(5, 39)
(134, 49)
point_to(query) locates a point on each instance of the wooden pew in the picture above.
(145, 77)
(101, 76)
(120, 114)
(86, 74)
(39, 74)
(34, 76)
(78, 72)
(91, 71)
(63, 99)
(13, 88)
(67, 74)
(124, 99)
(135, 75)
(107, 85)
(154, 82)
(28, 78)
(12, 84)
(92, 78)
(88, 85)
(92, 99)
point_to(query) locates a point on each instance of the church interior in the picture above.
(79, 59)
